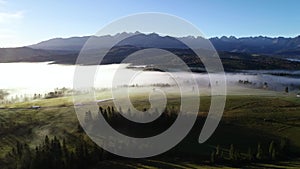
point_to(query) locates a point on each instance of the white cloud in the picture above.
(7, 17)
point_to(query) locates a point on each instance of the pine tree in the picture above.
(129, 111)
(259, 154)
(105, 114)
(237, 155)
(286, 89)
(64, 147)
(35, 162)
(101, 110)
(232, 152)
(212, 157)
(112, 110)
(109, 110)
(271, 148)
(283, 147)
(250, 156)
(218, 153)
(274, 154)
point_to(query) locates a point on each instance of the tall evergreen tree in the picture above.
(259, 154)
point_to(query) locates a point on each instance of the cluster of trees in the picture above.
(114, 117)
(3, 94)
(264, 85)
(55, 153)
(273, 152)
(246, 82)
(58, 92)
(149, 85)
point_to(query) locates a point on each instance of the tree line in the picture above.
(55, 153)
(274, 151)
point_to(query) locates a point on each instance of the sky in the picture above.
(25, 22)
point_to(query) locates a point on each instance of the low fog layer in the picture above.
(30, 78)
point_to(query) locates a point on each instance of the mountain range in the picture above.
(254, 45)
(236, 53)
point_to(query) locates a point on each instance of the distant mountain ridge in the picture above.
(134, 39)
(253, 45)
(258, 45)
(26, 54)
(253, 53)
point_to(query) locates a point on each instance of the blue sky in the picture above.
(24, 22)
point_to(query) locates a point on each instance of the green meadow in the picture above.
(248, 121)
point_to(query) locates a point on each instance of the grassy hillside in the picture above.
(247, 121)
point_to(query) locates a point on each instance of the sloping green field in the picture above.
(247, 121)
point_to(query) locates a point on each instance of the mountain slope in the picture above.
(231, 61)
(134, 39)
(26, 54)
(255, 45)
(258, 45)
(235, 53)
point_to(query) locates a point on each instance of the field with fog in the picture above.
(261, 129)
